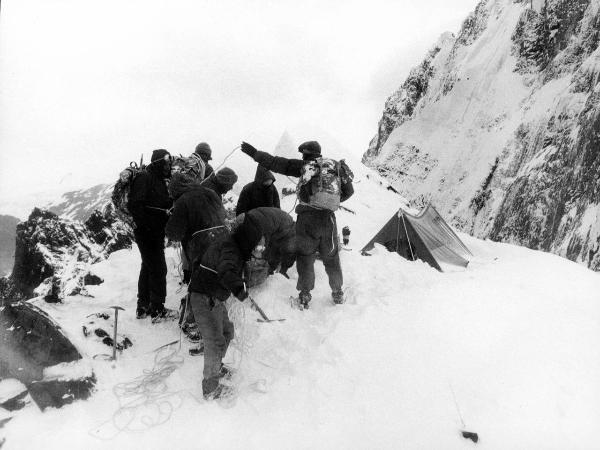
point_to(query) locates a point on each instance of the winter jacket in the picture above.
(198, 215)
(210, 182)
(208, 170)
(219, 272)
(256, 194)
(293, 168)
(273, 223)
(149, 201)
(278, 229)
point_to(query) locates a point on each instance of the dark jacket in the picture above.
(293, 168)
(208, 170)
(256, 194)
(196, 213)
(210, 182)
(279, 231)
(149, 201)
(273, 223)
(219, 273)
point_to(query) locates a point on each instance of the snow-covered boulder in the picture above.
(36, 352)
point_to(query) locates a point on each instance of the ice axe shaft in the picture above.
(262, 313)
(116, 308)
(259, 309)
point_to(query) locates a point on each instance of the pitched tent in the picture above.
(425, 236)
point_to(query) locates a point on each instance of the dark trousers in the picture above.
(152, 282)
(217, 332)
(316, 231)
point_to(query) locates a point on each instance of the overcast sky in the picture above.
(86, 86)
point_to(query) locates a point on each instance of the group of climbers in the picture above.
(181, 199)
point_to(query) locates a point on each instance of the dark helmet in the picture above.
(203, 149)
(310, 148)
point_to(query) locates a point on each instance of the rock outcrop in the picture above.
(53, 254)
(35, 352)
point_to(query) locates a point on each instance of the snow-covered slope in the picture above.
(79, 205)
(509, 346)
(499, 127)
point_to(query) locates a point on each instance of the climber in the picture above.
(149, 204)
(323, 184)
(260, 192)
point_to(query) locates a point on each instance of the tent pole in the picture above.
(407, 238)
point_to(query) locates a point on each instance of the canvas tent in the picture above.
(424, 236)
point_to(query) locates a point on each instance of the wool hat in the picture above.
(310, 148)
(204, 149)
(226, 177)
(159, 154)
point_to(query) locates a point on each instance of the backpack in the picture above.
(191, 165)
(320, 184)
(120, 194)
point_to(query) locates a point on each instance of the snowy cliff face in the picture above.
(500, 127)
(79, 205)
(53, 255)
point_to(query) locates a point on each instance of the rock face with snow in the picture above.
(79, 205)
(500, 127)
(53, 254)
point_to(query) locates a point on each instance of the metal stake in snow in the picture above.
(116, 308)
(466, 434)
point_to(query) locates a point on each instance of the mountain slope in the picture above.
(499, 127)
(511, 340)
(8, 233)
(79, 205)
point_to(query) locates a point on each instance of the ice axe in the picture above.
(116, 308)
(261, 312)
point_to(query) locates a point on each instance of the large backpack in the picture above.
(191, 165)
(122, 189)
(320, 184)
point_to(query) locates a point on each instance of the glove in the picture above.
(248, 149)
(242, 295)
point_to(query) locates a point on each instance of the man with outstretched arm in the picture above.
(323, 184)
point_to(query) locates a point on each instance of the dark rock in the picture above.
(31, 341)
(15, 403)
(57, 251)
(106, 229)
(57, 393)
(101, 333)
(92, 280)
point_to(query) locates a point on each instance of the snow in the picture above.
(508, 344)
(10, 388)
(68, 371)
